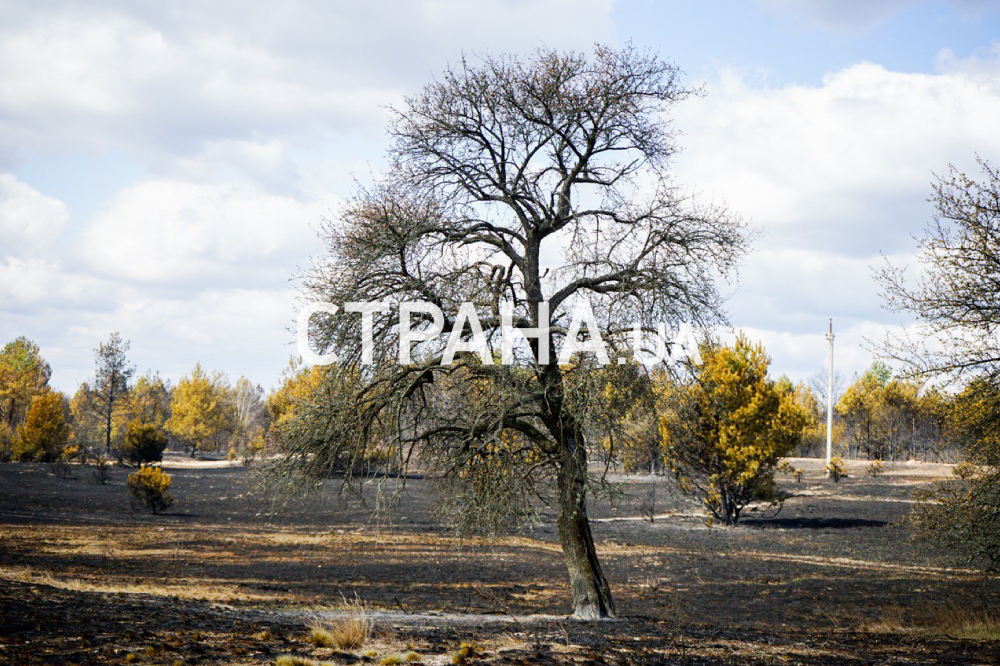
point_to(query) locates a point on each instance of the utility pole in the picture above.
(829, 402)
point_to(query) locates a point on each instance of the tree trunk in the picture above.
(107, 432)
(591, 592)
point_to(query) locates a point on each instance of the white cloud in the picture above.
(803, 355)
(239, 331)
(30, 222)
(167, 78)
(844, 166)
(834, 175)
(983, 65)
(246, 117)
(195, 236)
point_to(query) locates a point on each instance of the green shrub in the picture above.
(149, 485)
(144, 443)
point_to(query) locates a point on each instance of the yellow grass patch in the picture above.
(195, 589)
(348, 632)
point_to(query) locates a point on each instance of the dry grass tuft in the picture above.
(966, 621)
(509, 641)
(349, 632)
(401, 658)
(292, 660)
(461, 656)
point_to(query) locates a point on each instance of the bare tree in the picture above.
(111, 382)
(957, 302)
(249, 412)
(818, 385)
(957, 297)
(519, 186)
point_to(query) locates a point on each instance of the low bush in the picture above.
(69, 454)
(100, 471)
(788, 468)
(466, 650)
(144, 443)
(392, 660)
(149, 485)
(835, 469)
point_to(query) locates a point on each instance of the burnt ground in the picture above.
(832, 579)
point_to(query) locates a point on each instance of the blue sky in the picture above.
(163, 166)
(800, 41)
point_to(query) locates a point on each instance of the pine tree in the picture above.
(727, 427)
(45, 432)
(111, 382)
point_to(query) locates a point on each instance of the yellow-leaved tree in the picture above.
(44, 433)
(726, 427)
(149, 400)
(813, 442)
(624, 416)
(201, 414)
(888, 418)
(298, 385)
(24, 374)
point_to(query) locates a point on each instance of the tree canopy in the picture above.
(45, 432)
(520, 186)
(24, 374)
(200, 411)
(957, 304)
(955, 298)
(727, 426)
(111, 383)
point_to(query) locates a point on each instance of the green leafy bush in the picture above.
(144, 443)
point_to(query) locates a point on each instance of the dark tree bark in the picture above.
(591, 593)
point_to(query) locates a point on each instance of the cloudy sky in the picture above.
(164, 165)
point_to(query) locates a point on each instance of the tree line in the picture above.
(117, 416)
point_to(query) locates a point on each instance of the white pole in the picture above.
(829, 401)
